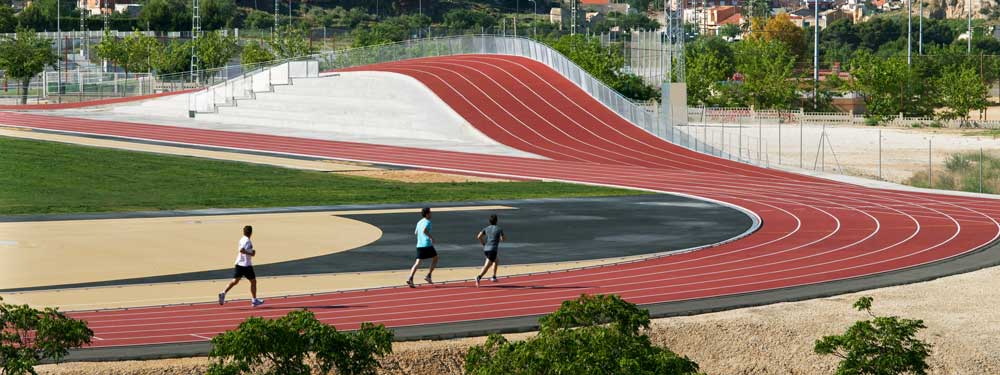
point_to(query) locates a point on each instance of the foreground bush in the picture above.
(29, 336)
(884, 345)
(590, 335)
(298, 344)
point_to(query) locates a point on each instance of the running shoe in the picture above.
(222, 299)
(493, 279)
(256, 302)
(410, 283)
(477, 280)
(428, 279)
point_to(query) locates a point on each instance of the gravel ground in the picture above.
(850, 150)
(959, 311)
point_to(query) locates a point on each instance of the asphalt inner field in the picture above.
(539, 231)
(814, 232)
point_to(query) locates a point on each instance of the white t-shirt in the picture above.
(243, 259)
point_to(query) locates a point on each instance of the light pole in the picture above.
(59, 47)
(909, 30)
(816, 55)
(920, 33)
(969, 40)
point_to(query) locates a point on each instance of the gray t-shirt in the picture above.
(492, 234)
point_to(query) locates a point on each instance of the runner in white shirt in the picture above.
(244, 268)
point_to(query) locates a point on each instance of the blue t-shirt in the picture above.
(422, 239)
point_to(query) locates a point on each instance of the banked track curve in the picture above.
(813, 230)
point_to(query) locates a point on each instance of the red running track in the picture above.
(813, 230)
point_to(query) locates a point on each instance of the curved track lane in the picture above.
(813, 230)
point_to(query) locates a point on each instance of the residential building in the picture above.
(132, 10)
(689, 4)
(720, 16)
(805, 17)
(98, 7)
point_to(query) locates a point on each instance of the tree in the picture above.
(166, 15)
(878, 346)
(962, 90)
(291, 42)
(390, 30)
(877, 32)
(41, 14)
(626, 22)
(110, 49)
(756, 9)
(217, 14)
(283, 345)
(173, 58)
(28, 336)
(709, 65)
(8, 22)
(780, 28)
(730, 31)
(603, 63)
(766, 67)
(214, 50)
(889, 86)
(25, 55)
(140, 50)
(465, 19)
(937, 33)
(590, 335)
(842, 32)
(259, 20)
(254, 54)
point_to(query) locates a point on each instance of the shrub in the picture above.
(590, 335)
(881, 345)
(28, 336)
(286, 344)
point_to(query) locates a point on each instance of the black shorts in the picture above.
(426, 252)
(491, 255)
(246, 272)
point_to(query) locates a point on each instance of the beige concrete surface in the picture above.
(79, 251)
(67, 252)
(205, 291)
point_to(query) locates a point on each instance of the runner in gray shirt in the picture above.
(490, 237)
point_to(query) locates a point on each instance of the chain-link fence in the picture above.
(957, 159)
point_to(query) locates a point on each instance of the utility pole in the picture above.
(195, 30)
(275, 31)
(106, 12)
(83, 28)
(572, 15)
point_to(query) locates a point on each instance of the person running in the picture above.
(490, 237)
(425, 247)
(244, 268)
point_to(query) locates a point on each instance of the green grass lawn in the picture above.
(43, 177)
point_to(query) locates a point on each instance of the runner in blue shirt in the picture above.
(425, 247)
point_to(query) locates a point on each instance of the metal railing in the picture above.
(246, 85)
